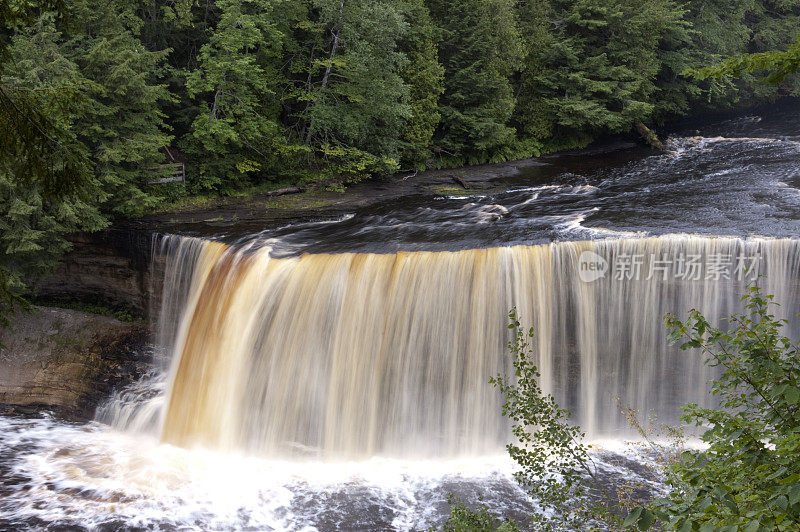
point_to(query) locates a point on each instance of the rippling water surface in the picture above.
(740, 178)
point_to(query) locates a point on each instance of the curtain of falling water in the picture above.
(353, 355)
(185, 264)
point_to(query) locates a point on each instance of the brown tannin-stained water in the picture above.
(390, 354)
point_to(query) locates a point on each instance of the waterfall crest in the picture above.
(355, 355)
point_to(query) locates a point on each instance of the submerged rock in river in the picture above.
(66, 360)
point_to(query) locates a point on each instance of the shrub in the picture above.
(748, 478)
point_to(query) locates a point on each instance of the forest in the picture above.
(101, 94)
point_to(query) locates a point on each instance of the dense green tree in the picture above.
(774, 24)
(182, 27)
(122, 124)
(762, 27)
(480, 50)
(236, 130)
(351, 103)
(532, 117)
(89, 94)
(675, 93)
(48, 154)
(775, 66)
(600, 69)
(775, 47)
(720, 30)
(178, 25)
(47, 188)
(720, 25)
(424, 77)
(33, 230)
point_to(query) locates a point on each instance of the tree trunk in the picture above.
(328, 67)
(284, 191)
(649, 136)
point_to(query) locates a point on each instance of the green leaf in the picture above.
(794, 494)
(792, 395)
(752, 526)
(782, 502)
(646, 520)
(632, 518)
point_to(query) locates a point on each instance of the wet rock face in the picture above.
(66, 361)
(110, 267)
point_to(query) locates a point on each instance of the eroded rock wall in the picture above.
(67, 361)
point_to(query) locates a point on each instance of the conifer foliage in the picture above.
(329, 92)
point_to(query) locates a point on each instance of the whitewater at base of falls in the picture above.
(89, 477)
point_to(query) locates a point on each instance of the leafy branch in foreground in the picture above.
(748, 478)
(776, 64)
(657, 447)
(553, 460)
(464, 519)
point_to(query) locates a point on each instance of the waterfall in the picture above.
(355, 355)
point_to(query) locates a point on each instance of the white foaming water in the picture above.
(91, 476)
(572, 225)
(581, 190)
(678, 146)
(490, 213)
(460, 197)
(138, 407)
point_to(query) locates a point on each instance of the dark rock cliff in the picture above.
(113, 268)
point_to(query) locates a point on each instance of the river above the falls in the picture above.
(737, 177)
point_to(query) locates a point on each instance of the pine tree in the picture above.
(425, 78)
(49, 155)
(533, 118)
(480, 49)
(236, 131)
(123, 126)
(676, 93)
(775, 25)
(351, 104)
(182, 27)
(599, 72)
(38, 210)
(720, 25)
(721, 30)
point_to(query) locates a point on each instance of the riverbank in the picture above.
(260, 209)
